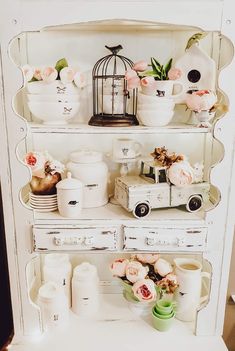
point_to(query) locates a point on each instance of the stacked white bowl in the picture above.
(154, 111)
(53, 103)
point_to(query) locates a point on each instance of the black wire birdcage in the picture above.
(113, 104)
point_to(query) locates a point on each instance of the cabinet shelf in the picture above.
(175, 128)
(116, 327)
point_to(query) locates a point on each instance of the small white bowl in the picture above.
(54, 112)
(155, 119)
(54, 88)
(53, 98)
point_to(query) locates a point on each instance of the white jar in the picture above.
(85, 289)
(69, 196)
(58, 269)
(88, 167)
(53, 305)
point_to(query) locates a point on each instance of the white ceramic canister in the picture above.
(85, 289)
(57, 268)
(69, 196)
(89, 168)
(53, 305)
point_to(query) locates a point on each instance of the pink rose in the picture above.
(67, 75)
(147, 258)
(37, 74)
(140, 66)
(144, 290)
(130, 74)
(49, 74)
(162, 267)
(201, 100)
(135, 271)
(174, 73)
(181, 173)
(36, 161)
(118, 267)
(28, 72)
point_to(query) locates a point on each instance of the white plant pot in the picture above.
(155, 118)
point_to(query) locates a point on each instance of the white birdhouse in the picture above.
(198, 71)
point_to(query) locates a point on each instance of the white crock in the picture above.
(69, 196)
(89, 168)
(57, 268)
(53, 306)
(188, 294)
(85, 289)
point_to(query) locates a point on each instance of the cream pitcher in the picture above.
(188, 294)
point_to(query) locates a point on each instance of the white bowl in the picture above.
(53, 98)
(155, 119)
(156, 107)
(152, 99)
(54, 112)
(54, 88)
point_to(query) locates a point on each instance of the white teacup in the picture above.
(126, 149)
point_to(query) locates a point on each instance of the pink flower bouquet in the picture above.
(46, 172)
(145, 277)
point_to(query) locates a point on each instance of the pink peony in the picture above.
(49, 74)
(130, 74)
(118, 267)
(174, 73)
(133, 83)
(147, 258)
(163, 267)
(37, 74)
(181, 173)
(36, 161)
(135, 271)
(140, 66)
(28, 72)
(67, 75)
(201, 100)
(144, 290)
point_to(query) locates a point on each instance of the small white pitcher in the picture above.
(188, 295)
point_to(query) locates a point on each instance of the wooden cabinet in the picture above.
(38, 33)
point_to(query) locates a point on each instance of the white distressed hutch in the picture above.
(40, 32)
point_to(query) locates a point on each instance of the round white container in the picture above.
(58, 269)
(89, 168)
(85, 289)
(69, 196)
(53, 305)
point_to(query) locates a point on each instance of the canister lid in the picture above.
(86, 156)
(85, 271)
(49, 291)
(56, 259)
(69, 183)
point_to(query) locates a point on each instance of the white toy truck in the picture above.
(152, 189)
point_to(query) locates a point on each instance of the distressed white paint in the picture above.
(21, 16)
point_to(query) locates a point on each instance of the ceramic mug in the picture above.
(165, 88)
(188, 294)
(125, 148)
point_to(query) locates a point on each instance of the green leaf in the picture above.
(155, 63)
(147, 73)
(60, 64)
(168, 67)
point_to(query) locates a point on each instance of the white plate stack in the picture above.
(43, 203)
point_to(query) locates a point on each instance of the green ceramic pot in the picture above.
(162, 324)
(163, 316)
(163, 307)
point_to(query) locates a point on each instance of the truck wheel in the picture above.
(141, 210)
(194, 203)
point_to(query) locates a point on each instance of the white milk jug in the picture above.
(188, 294)
(85, 289)
(57, 268)
(53, 305)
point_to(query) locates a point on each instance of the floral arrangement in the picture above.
(179, 170)
(46, 172)
(204, 100)
(49, 74)
(148, 276)
(141, 76)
